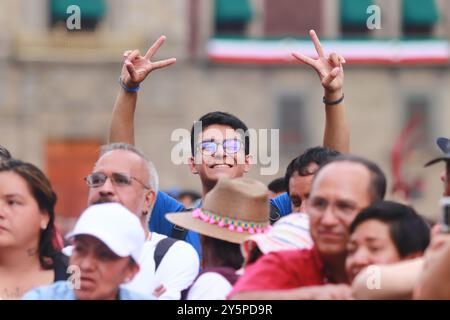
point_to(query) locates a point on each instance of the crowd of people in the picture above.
(323, 231)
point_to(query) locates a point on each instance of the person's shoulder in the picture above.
(177, 245)
(182, 250)
(211, 286)
(212, 278)
(282, 203)
(183, 245)
(126, 294)
(168, 203)
(289, 256)
(157, 237)
(57, 290)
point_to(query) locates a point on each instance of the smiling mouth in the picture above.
(221, 165)
(329, 235)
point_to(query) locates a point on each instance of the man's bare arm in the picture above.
(396, 281)
(122, 122)
(134, 71)
(325, 292)
(434, 281)
(331, 74)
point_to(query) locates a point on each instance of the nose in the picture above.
(443, 176)
(303, 206)
(219, 151)
(107, 188)
(2, 212)
(329, 218)
(359, 259)
(87, 262)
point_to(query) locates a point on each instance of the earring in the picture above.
(43, 226)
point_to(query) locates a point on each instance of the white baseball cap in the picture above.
(113, 224)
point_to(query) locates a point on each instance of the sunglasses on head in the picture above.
(230, 146)
(97, 179)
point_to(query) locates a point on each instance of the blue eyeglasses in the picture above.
(230, 146)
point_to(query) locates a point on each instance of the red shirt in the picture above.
(282, 270)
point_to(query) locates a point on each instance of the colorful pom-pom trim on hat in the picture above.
(230, 223)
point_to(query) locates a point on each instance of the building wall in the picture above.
(69, 92)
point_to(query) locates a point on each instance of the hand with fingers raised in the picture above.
(328, 67)
(136, 67)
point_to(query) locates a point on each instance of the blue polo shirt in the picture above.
(282, 203)
(159, 224)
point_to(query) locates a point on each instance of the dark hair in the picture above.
(4, 153)
(219, 117)
(278, 185)
(318, 155)
(227, 254)
(378, 182)
(409, 231)
(45, 197)
(254, 254)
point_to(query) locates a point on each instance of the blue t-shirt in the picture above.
(159, 224)
(166, 204)
(61, 290)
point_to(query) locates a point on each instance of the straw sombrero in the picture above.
(233, 210)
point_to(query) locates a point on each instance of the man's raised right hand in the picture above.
(136, 67)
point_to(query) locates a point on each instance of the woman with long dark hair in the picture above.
(28, 257)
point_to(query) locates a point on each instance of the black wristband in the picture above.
(331, 103)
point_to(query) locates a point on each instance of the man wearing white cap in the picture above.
(108, 240)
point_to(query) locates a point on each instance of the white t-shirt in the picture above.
(177, 270)
(210, 286)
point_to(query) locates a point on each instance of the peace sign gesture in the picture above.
(136, 67)
(329, 68)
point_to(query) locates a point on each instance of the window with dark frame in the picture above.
(92, 13)
(231, 17)
(291, 122)
(353, 17)
(419, 17)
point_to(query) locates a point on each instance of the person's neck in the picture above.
(147, 232)
(210, 260)
(19, 260)
(207, 187)
(334, 268)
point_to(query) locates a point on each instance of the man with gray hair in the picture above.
(4, 153)
(125, 175)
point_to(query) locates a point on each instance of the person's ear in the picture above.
(150, 198)
(192, 165)
(45, 219)
(133, 269)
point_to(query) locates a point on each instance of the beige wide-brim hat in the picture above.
(232, 211)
